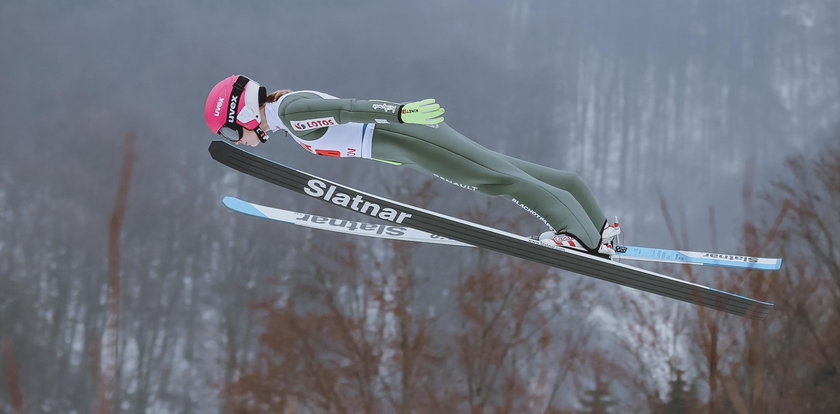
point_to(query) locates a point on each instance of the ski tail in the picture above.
(697, 258)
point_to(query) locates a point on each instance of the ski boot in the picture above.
(606, 249)
(569, 241)
(610, 235)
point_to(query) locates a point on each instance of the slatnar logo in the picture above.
(355, 226)
(736, 258)
(328, 192)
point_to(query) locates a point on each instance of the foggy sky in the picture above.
(687, 99)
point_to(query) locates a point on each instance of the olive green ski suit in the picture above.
(559, 198)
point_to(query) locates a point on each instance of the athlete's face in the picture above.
(249, 138)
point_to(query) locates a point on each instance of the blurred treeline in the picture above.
(338, 324)
(507, 337)
(680, 116)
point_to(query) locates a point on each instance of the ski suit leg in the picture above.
(444, 152)
(565, 180)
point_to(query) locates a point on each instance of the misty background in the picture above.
(684, 103)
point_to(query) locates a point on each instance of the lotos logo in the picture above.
(219, 106)
(308, 124)
(232, 109)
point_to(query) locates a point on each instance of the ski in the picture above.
(402, 233)
(652, 254)
(482, 236)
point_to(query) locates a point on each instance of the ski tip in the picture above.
(215, 147)
(242, 206)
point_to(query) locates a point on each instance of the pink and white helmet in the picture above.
(233, 104)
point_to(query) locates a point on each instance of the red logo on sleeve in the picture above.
(308, 124)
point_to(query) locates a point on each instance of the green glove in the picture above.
(425, 112)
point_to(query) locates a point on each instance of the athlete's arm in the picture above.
(314, 111)
(305, 107)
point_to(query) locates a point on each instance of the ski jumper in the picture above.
(325, 125)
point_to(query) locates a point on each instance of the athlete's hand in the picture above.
(425, 112)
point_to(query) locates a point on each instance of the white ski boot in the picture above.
(571, 242)
(611, 232)
(610, 235)
(609, 240)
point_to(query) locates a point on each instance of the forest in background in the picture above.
(709, 125)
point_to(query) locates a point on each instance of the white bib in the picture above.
(341, 140)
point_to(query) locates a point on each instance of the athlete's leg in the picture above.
(565, 180)
(448, 154)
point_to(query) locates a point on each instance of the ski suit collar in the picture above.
(272, 116)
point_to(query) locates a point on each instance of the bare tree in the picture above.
(785, 363)
(12, 377)
(110, 337)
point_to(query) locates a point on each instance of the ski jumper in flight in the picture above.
(413, 135)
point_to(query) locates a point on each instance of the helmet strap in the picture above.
(263, 95)
(261, 135)
(238, 90)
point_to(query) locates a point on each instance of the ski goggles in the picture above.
(233, 129)
(231, 134)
